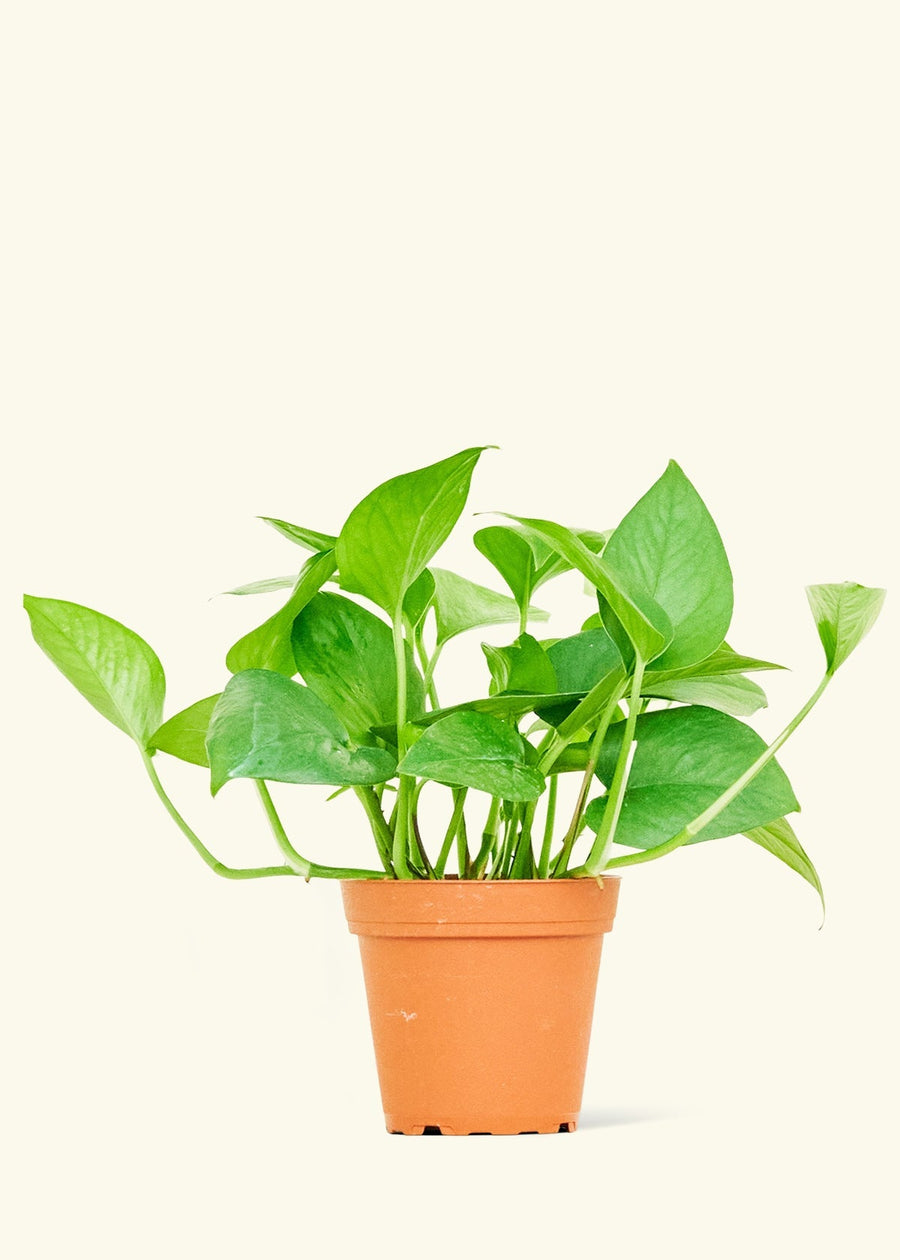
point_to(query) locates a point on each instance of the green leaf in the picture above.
(722, 661)
(418, 599)
(461, 605)
(266, 726)
(269, 645)
(512, 556)
(643, 621)
(730, 693)
(113, 668)
(779, 838)
(184, 735)
(311, 539)
(389, 538)
(581, 660)
(264, 586)
(685, 759)
(522, 666)
(668, 549)
(844, 612)
(477, 751)
(345, 655)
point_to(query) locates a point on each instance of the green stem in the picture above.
(575, 828)
(544, 860)
(429, 672)
(300, 865)
(459, 800)
(721, 802)
(462, 848)
(616, 793)
(427, 669)
(400, 848)
(488, 839)
(380, 830)
(227, 872)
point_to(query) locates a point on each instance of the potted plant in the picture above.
(481, 944)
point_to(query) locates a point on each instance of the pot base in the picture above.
(461, 1126)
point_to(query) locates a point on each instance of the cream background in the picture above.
(259, 257)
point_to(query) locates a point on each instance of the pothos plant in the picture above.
(641, 706)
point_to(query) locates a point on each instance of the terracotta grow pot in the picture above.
(481, 996)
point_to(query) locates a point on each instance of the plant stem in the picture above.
(459, 800)
(562, 861)
(300, 865)
(380, 830)
(227, 872)
(462, 848)
(712, 811)
(400, 849)
(488, 837)
(544, 861)
(616, 793)
(427, 670)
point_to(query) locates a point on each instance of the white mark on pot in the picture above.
(407, 1015)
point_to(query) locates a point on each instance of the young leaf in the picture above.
(668, 548)
(685, 759)
(311, 539)
(477, 751)
(345, 655)
(844, 613)
(113, 668)
(512, 556)
(184, 735)
(643, 621)
(523, 666)
(266, 726)
(779, 838)
(264, 586)
(730, 693)
(269, 645)
(461, 605)
(389, 538)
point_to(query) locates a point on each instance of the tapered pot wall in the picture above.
(481, 996)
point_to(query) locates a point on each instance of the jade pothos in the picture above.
(638, 713)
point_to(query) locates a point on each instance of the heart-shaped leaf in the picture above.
(685, 759)
(266, 726)
(461, 605)
(478, 751)
(345, 654)
(668, 549)
(389, 538)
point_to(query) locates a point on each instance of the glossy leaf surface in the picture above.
(345, 655)
(264, 586)
(668, 549)
(685, 759)
(114, 669)
(478, 751)
(266, 726)
(521, 666)
(389, 538)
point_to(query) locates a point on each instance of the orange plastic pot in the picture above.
(481, 996)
